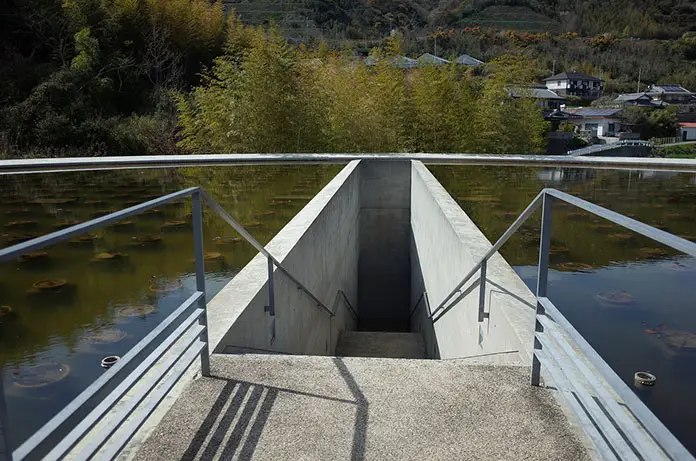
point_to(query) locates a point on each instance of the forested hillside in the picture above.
(639, 18)
(95, 77)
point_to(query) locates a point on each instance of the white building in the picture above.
(601, 122)
(575, 84)
(688, 131)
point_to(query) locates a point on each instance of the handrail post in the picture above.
(271, 289)
(542, 279)
(197, 215)
(482, 314)
(5, 450)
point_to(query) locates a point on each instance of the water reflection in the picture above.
(66, 307)
(631, 297)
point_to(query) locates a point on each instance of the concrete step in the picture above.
(282, 407)
(381, 344)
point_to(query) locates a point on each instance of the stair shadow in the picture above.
(244, 398)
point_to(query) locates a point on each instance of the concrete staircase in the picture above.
(381, 344)
(282, 407)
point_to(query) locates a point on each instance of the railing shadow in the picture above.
(236, 420)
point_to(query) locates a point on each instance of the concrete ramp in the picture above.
(392, 345)
(272, 407)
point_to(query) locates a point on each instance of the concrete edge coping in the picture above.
(521, 319)
(229, 303)
(45, 165)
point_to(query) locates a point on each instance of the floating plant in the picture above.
(620, 237)
(616, 297)
(50, 285)
(136, 311)
(108, 256)
(40, 375)
(574, 267)
(226, 240)
(164, 285)
(23, 224)
(65, 225)
(14, 240)
(679, 340)
(152, 212)
(18, 212)
(558, 250)
(251, 225)
(267, 213)
(127, 224)
(276, 203)
(653, 252)
(83, 240)
(34, 256)
(145, 241)
(175, 225)
(105, 336)
(53, 201)
(6, 312)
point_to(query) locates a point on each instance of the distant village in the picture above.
(602, 124)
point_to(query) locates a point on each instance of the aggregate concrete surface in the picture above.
(273, 407)
(393, 345)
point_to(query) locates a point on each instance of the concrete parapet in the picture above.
(319, 247)
(446, 245)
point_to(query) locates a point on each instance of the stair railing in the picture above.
(162, 357)
(615, 419)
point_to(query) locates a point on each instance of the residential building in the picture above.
(546, 99)
(575, 84)
(469, 61)
(599, 122)
(402, 62)
(688, 131)
(637, 99)
(431, 59)
(671, 94)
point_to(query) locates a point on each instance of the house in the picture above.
(467, 60)
(600, 122)
(637, 99)
(546, 99)
(575, 84)
(402, 62)
(688, 131)
(671, 94)
(432, 60)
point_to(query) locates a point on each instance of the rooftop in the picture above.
(468, 60)
(535, 92)
(592, 112)
(432, 59)
(660, 88)
(572, 76)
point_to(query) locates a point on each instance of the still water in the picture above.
(66, 307)
(630, 297)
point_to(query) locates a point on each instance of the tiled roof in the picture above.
(468, 60)
(573, 76)
(592, 112)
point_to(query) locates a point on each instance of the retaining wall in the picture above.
(445, 245)
(319, 247)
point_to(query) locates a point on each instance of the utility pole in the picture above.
(553, 72)
(640, 70)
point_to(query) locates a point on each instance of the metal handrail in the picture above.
(63, 432)
(597, 409)
(352, 310)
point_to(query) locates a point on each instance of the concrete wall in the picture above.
(319, 246)
(446, 245)
(384, 267)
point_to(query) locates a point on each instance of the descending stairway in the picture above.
(282, 407)
(381, 344)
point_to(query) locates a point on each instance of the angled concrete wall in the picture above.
(319, 246)
(446, 244)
